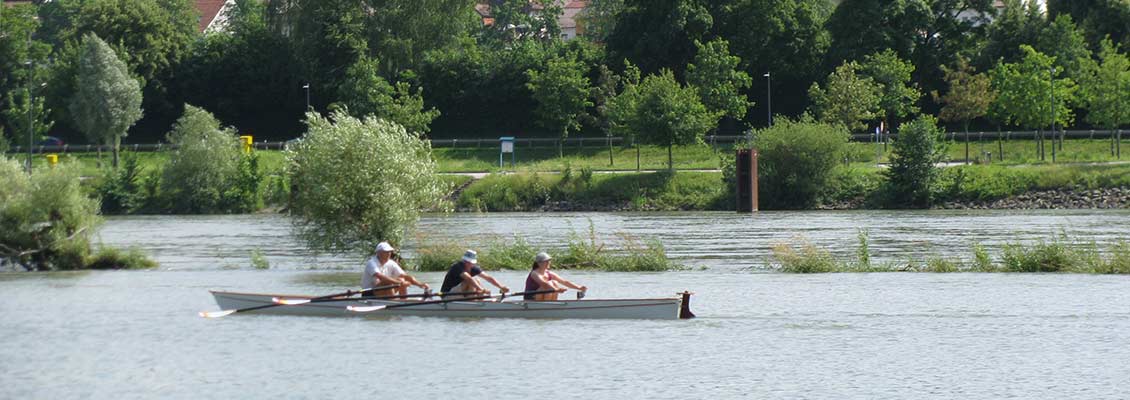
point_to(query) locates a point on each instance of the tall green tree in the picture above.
(1098, 18)
(659, 34)
(336, 206)
(669, 114)
(918, 149)
(1025, 95)
(17, 25)
(788, 40)
(402, 31)
(719, 82)
(1020, 23)
(108, 99)
(897, 98)
(1064, 42)
(151, 36)
(21, 106)
(599, 18)
(1106, 92)
(364, 92)
(849, 99)
(969, 97)
(562, 94)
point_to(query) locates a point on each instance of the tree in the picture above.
(562, 94)
(151, 36)
(1098, 18)
(17, 26)
(796, 158)
(719, 83)
(599, 18)
(364, 92)
(358, 182)
(402, 31)
(602, 94)
(1106, 92)
(863, 27)
(919, 147)
(205, 170)
(48, 218)
(622, 109)
(1019, 23)
(849, 99)
(896, 98)
(1024, 91)
(518, 20)
(1065, 43)
(659, 34)
(19, 107)
(969, 97)
(788, 40)
(107, 100)
(668, 114)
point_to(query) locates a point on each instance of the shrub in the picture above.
(208, 172)
(112, 258)
(122, 190)
(807, 259)
(47, 218)
(357, 182)
(1053, 256)
(920, 145)
(795, 161)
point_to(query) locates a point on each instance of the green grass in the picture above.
(1016, 151)
(985, 182)
(643, 191)
(113, 258)
(539, 159)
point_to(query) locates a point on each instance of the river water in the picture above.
(135, 334)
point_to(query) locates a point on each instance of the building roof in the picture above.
(209, 10)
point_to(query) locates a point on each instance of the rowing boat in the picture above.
(658, 308)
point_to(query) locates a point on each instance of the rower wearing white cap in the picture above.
(382, 270)
(463, 276)
(541, 279)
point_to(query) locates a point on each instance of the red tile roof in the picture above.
(209, 9)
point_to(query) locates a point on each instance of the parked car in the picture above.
(51, 141)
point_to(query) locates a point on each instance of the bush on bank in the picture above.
(48, 220)
(208, 172)
(586, 190)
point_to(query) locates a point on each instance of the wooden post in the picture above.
(745, 165)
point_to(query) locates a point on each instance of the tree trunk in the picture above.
(117, 145)
(561, 147)
(610, 161)
(637, 158)
(967, 143)
(670, 159)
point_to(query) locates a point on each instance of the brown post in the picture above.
(685, 306)
(745, 168)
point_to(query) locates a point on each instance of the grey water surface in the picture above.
(135, 334)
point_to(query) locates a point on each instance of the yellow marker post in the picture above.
(52, 159)
(247, 141)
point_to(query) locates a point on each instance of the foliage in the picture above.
(258, 260)
(562, 94)
(363, 92)
(892, 74)
(1019, 23)
(112, 258)
(848, 100)
(402, 31)
(862, 27)
(1023, 90)
(357, 182)
(863, 252)
(18, 23)
(969, 95)
(1061, 40)
(19, 107)
(1106, 92)
(122, 190)
(920, 145)
(796, 158)
(659, 35)
(600, 18)
(719, 83)
(207, 172)
(807, 259)
(151, 36)
(1097, 18)
(48, 219)
(667, 114)
(515, 20)
(107, 100)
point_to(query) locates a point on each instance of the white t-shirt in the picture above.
(390, 269)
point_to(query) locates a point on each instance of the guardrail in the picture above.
(583, 142)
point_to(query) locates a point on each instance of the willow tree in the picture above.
(357, 182)
(107, 100)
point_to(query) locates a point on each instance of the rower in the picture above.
(463, 277)
(382, 270)
(542, 279)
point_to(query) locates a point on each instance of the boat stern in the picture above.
(685, 305)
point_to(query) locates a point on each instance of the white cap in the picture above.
(384, 246)
(471, 256)
(542, 257)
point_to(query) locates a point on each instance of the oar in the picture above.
(365, 309)
(223, 313)
(295, 302)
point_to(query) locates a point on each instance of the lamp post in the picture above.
(769, 96)
(307, 87)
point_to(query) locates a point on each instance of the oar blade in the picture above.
(364, 309)
(289, 302)
(216, 314)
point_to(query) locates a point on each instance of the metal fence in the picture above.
(583, 142)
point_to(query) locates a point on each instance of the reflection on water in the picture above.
(716, 240)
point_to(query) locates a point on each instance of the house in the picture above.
(567, 21)
(213, 14)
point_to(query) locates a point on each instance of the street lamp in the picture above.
(769, 96)
(307, 87)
